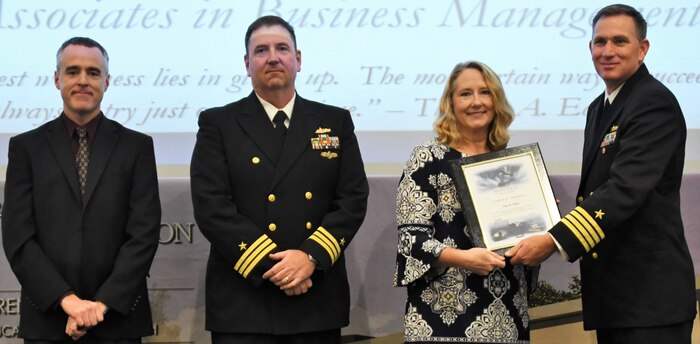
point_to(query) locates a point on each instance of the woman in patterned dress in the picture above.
(457, 292)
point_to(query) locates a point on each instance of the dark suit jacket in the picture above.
(102, 250)
(254, 195)
(636, 269)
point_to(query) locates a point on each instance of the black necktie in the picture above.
(279, 119)
(82, 158)
(600, 117)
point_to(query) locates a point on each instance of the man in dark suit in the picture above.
(279, 189)
(636, 271)
(81, 218)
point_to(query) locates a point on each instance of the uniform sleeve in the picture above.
(349, 206)
(648, 140)
(40, 279)
(216, 212)
(416, 208)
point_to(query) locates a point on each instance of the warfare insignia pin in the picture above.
(322, 130)
(329, 155)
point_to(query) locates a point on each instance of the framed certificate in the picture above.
(506, 196)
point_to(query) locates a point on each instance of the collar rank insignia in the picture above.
(329, 155)
(322, 130)
(325, 141)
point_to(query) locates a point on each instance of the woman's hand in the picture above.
(478, 260)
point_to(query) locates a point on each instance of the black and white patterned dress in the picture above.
(448, 304)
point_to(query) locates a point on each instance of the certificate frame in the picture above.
(506, 196)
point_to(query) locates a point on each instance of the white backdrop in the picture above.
(386, 61)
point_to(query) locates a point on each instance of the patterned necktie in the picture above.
(82, 158)
(279, 119)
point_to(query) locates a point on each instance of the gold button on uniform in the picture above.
(272, 227)
(308, 195)
(308, 225)
(271, 198)
(579, 199)
(255, 160)
(590, 194)
(594, 255)
(603, 150)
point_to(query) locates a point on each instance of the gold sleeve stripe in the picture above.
(585, 224)
(576, 233)
(253, 254)
(326, 246)
(254, 257)
(262, 254)
(591, 221)
(330, 237)
(323, 241)
(574, 221)
(250, 250)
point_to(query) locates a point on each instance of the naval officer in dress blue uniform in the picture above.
(279, 190)
(637, 275)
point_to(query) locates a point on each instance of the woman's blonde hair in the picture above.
(446, 124)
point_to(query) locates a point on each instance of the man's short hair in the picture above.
(620, 9)
(85, 42)
(269, 21)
